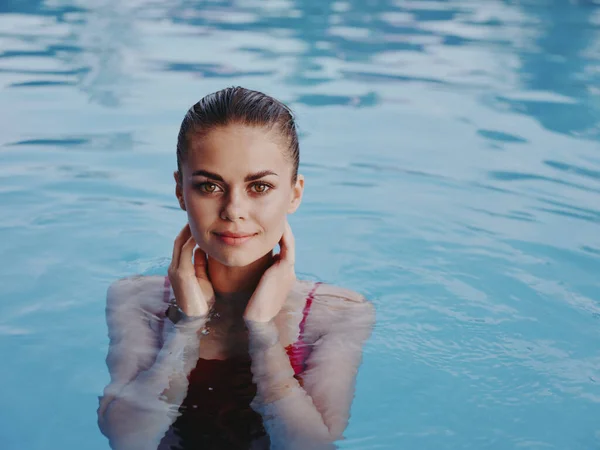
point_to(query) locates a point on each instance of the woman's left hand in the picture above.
(275, 284)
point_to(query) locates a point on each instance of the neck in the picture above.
(234, 286)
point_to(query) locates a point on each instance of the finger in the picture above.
(287, 245)
(200, 263)
(180, 240)
(185, 259)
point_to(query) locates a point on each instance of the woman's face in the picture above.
(237, 191)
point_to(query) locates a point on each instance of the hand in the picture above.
(275, 284)
(193, 290)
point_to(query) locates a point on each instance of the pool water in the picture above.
(452, 157)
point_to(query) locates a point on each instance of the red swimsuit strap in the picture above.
(299, 351)
(309, 300)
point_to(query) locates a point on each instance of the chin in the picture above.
(237, 258)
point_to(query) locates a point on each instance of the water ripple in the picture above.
(450, 150)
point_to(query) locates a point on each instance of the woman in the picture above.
(230, 350)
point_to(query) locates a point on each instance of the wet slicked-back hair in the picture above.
(237, 105)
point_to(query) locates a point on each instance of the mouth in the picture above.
(234, 238)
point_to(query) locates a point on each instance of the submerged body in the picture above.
(321, 327)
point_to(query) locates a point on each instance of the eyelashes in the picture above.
(266, 187)
(208, 187)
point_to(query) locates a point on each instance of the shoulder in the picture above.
(338, 297)
(336, 307)
(136, 292)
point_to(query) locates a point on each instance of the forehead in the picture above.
(237, 150)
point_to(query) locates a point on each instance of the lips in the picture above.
(229, 238)
(234, 235)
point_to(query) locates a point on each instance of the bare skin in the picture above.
(244, 295)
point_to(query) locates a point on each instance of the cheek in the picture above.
(199, 215)
(272, 221)
(271, 214)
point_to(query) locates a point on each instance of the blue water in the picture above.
(452, 157)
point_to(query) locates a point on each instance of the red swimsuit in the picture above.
(216, 412)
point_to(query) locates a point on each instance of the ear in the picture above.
(179, 190)
(296, 196)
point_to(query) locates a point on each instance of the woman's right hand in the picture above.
(192, 288)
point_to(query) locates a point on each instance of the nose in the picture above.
(234, 207)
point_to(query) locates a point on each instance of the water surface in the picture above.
(452, 156)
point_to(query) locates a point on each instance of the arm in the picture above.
(313, 415)
(147, 386)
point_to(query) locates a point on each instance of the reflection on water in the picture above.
(451, 147)
(562, 59)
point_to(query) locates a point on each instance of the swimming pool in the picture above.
(452, 156)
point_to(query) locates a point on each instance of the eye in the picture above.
(261, 187)
(207, 187)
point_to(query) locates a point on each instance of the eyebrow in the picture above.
(250, 177)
